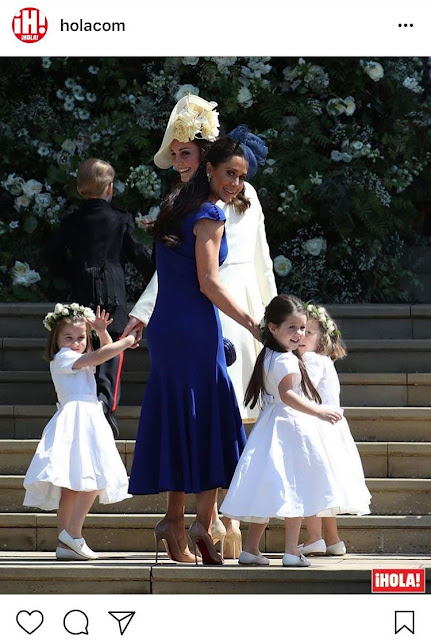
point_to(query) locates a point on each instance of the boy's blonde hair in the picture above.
(94, 175)
(331, 343)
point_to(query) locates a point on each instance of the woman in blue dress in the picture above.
(190, 434)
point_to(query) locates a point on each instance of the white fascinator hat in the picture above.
(192, 117)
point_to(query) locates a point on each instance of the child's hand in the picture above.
(102, 321)
(329, 414)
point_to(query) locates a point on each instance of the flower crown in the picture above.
(321, 315)
(74, 311)
(195, 121)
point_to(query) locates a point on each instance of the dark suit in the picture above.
(100, 240)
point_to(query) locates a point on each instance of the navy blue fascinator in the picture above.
(254, 148)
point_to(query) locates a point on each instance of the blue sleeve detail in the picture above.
(210, 211)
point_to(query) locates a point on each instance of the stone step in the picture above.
(135, 532)
(379, 459)
(381, 424)
(357, 389)
(357, 321)
(364, 356)
(133, 573)
(390, 496)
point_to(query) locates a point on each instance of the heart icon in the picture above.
(30, 622)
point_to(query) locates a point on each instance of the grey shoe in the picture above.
(249, 558)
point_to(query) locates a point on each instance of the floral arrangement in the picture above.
(74, 311)
(196, 121)
(343, 189)
(321, 315)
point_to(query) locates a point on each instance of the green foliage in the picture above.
(348, 164)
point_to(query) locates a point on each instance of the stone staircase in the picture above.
(386, 390)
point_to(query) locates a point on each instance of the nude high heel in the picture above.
(165, 531)
(218, 534)
(233, 542)
(202, 541)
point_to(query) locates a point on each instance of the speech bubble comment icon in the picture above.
(76, 622)
(29, 621)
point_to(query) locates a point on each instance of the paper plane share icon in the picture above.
(123, 618)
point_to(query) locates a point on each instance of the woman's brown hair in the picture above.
(276, 312)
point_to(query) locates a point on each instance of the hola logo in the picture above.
(29, 25)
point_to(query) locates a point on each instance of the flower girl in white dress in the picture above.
(77, 458)
(284, 471)
(320, 347)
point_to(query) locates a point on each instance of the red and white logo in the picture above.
(29, 25)
(398, 581)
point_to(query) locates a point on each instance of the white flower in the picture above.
(14, 224)
(22, 202)
(43, 200)
(315, 246)
(357, 145)
(349, 105)
(316, 179)
(65, 312)
(223, 63)
(22, 274)
(94, 70)
(190, 60)
(61, 95)
(119, 186)
(78, 93)
(69, 145)
(282, 266)
(374, 70)
(13, 184)
(194, 120)
(91, 97)
(46, 62)
(69, 103)
(43, 150)
(335, 107)
(336, 156)
(245, 97)
(412, 84)
(31, 187)
(69, 83)
(185, 90)
(58, 308)
(74, 306)
(95, 137)
(83, 114)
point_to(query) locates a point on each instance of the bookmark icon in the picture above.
(123, 618)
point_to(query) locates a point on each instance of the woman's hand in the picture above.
(136, 327)
(256, 331)
(329, 414)
(101, 322)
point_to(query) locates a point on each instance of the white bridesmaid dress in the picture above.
(284, 470)
(77, 450)
(247, 273)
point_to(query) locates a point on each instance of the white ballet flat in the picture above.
(337, 549)
(290, 560)
(68, 554)
(317, 548)
(78, 545)
(249, 558)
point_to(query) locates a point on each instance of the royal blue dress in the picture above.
(190, 433)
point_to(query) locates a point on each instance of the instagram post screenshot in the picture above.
(215, 320)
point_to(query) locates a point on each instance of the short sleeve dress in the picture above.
(77, 450)
(284, 470)
(190, 433)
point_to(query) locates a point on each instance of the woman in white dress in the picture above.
(284, 471)
(247, 273)
(77, 458)
(320, 347)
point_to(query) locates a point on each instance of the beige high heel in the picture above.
(164, 531)
(218, 534)
(201, 540)
(233, 542)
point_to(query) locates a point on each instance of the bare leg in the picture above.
(214, 515)
(254, 535)
(292, 528)
(314, 528)
(205, 507)
(331, 531)
(83, 503)
(175, 517)
(65, 509)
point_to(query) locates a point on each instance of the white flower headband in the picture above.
(74, 311)
(321, 315)
(195, 121)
